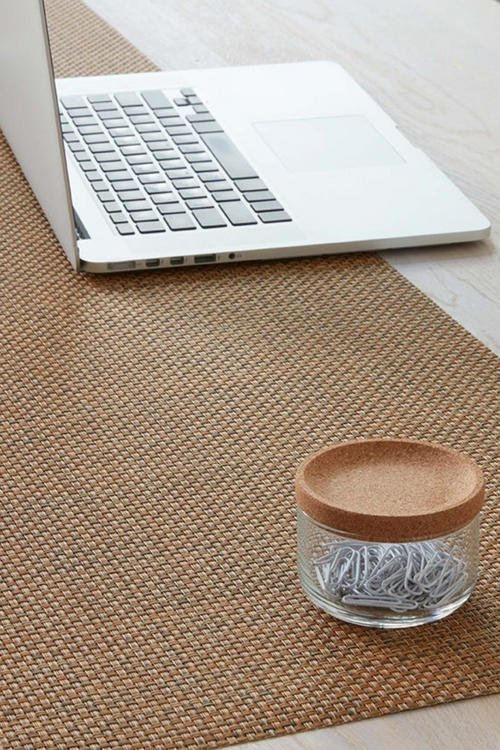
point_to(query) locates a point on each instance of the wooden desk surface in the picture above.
(434, 68)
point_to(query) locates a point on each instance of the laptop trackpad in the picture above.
(325, 143)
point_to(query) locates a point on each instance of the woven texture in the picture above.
(151, 427)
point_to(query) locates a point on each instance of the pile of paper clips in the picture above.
(400, 577)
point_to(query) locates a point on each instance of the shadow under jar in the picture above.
(388, 530)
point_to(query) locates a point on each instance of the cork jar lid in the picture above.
(390, 490)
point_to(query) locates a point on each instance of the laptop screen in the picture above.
(29, 114)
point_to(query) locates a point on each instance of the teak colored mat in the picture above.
(151, 427)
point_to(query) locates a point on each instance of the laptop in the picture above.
(173, 169)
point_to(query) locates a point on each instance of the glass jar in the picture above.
(388, 530)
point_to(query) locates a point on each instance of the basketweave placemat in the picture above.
(151, 427)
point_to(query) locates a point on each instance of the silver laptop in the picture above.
(164, 170)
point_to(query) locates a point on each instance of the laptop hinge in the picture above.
(81, 232)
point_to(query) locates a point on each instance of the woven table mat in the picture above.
(151, 427)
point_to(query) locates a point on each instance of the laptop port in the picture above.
(122, 265)
(177, 261)
(153, 263)
(205, 258)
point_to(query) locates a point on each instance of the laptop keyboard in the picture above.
(160, 165)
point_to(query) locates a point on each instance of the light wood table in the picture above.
(433, 66)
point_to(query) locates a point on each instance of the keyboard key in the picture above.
(267, 206)
(76, 114)
(79, 152)
(118, 218)
(219, 185)
(106, 196)
(188, 92)
(130, 195)
(120, 176)
(139, 159)
(130, 142)
(178, 130)
(200, 108)
(170, 112)
(105, 106)
(187, 193)
(177, 172)
(181, 101)
(140, 205)
(149, 127)
(125, 186)
(115, 122)
(193, 148)
(261, 195)
(124, 229)
(212, 177)
(156, 99)
(115, 166)
(144, 168)
(165, 154)
(209, 218)
(150, 227)
(228, 156)
(155, 141)
(99, 137)
(207, 127)
(174, 166)
(148, 215)
(128, 99)
(156, 189)
(80, 122)
(109, 114)
(274, 217)
(225, 196)
(188, 182)
(93, 176)
(130, 149)
(181, 140)
(171, 208)
(248, 185)
(201, 117)
(106, 157)
(199, 203)
(121, 132)
(90, 129)
(172, 120)
(161, 198)
(179, 222)
(73, 102)
(76, 147)
(136, 111)
(102, 147)
(141, 119)
(202, 157)
(204, 166)
(149, 179)
(238, 214)
(99, 185)
(112, 207)
(87, 166)
(99, 98)
(161, 187)
(70, 138)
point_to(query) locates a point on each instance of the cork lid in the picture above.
(390, 490)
